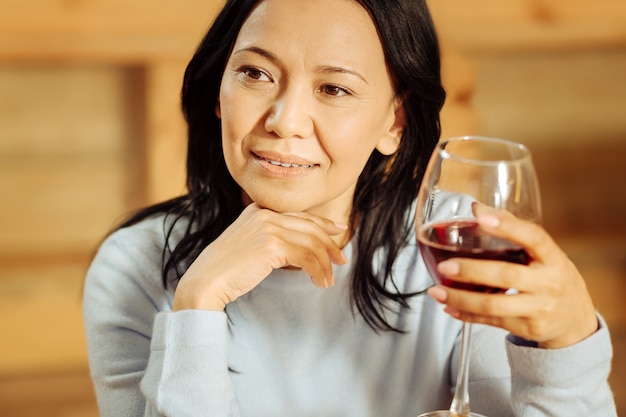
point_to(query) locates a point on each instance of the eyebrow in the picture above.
(327, 69)
(331, 70)
(259, 51)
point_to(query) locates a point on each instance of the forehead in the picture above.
(315, 28)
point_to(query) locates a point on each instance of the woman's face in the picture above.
(305, 99)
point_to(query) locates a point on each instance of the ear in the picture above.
(390, 142)
(218, 109)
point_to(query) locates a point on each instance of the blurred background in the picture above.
(90, 129)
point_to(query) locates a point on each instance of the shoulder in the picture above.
(122, 294)
(129, 263)
(145, 239)
(150, 231)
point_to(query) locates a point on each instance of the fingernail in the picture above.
(452, 311)
(488, 220)
(323, 284)
(438, 293)
(449, 268)
(341, 226)
(344, 258)
(340, 260)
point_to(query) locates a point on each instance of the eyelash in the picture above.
(343, 91)
(324, 89)
(248, 70)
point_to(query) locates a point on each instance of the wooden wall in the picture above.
(90, 129)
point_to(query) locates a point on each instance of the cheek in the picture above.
(230, 142)
(353, 139)
(240, 114)
(233, 124)
(347, 158)
(226, 113)
(228, 109)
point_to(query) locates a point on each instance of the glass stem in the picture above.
(460, 406)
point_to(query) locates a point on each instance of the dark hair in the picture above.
(387, 186)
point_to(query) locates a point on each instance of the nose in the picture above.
(290, 114)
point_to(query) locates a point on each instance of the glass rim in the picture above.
(525, 154)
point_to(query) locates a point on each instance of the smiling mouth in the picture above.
(286, 164)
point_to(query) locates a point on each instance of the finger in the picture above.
(471, 305)
(297, 239)
(296, 252)
(525, 327)
(307, 252)
(319, 227)
(329, 226)
(319, 270)
(509, 312)
(535, 240)
(490, 273)
(531, 318)
(521, 327)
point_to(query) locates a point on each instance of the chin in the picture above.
(281, 205)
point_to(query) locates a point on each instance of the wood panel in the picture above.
(458, 116)
(166, 146)
(106, 16)
(528, 11)
(65, 135)
(132, 31)
(40, 317)
(41, 395)
(580, 194)
(602, 261)
(61, 205)
(90, 128)
(48, 108)
(517, 26)
(554, 100)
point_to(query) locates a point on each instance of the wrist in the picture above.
(208, 305)
(188, 297)
(584, 331)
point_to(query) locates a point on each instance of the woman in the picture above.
(287, 280)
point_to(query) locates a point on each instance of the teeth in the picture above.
(286, 165)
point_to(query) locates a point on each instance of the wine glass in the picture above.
(462, 174)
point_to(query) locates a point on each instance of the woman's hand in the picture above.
(552, 306)
(258, 242)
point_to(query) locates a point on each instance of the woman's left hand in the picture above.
(552, 305)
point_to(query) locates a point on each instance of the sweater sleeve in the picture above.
(144, 359)
(570, 381)
(188, 350)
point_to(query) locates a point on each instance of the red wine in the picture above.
(463, 238)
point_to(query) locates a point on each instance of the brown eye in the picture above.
(255, 74)
(333, 90)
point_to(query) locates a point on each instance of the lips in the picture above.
(287, 165)
(284, 161)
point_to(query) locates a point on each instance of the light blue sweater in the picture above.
(291, 349)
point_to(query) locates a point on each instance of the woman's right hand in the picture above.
(258, 242)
